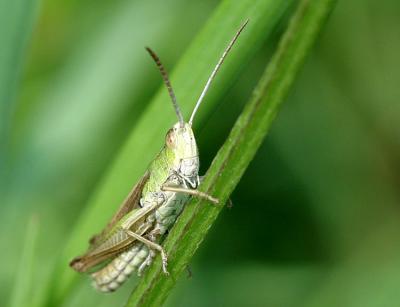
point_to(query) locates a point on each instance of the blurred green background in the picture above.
(315, 220)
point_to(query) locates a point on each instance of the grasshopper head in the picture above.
(180, 139)
(180, 142)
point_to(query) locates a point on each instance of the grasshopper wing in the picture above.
(114, 243)
(113, 240)
(131, 202)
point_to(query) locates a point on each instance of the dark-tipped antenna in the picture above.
(217, 67)
(171, 93)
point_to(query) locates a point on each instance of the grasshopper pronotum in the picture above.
(133, 236)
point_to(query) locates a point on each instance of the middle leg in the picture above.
(193, 192)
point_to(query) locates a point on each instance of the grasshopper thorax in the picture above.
(181, 141)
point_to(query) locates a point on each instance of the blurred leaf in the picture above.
(22, 291)
(247, 285)
(16, 23)
(369, 277)
(237, 152)
(102, 86)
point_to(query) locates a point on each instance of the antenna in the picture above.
(171, 93)
(217, 67)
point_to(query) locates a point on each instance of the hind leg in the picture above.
(152, 246)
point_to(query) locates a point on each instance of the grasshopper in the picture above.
(132, 238)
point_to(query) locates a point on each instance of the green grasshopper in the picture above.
(131, 239)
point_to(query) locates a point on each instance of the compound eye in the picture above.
(170, 138)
